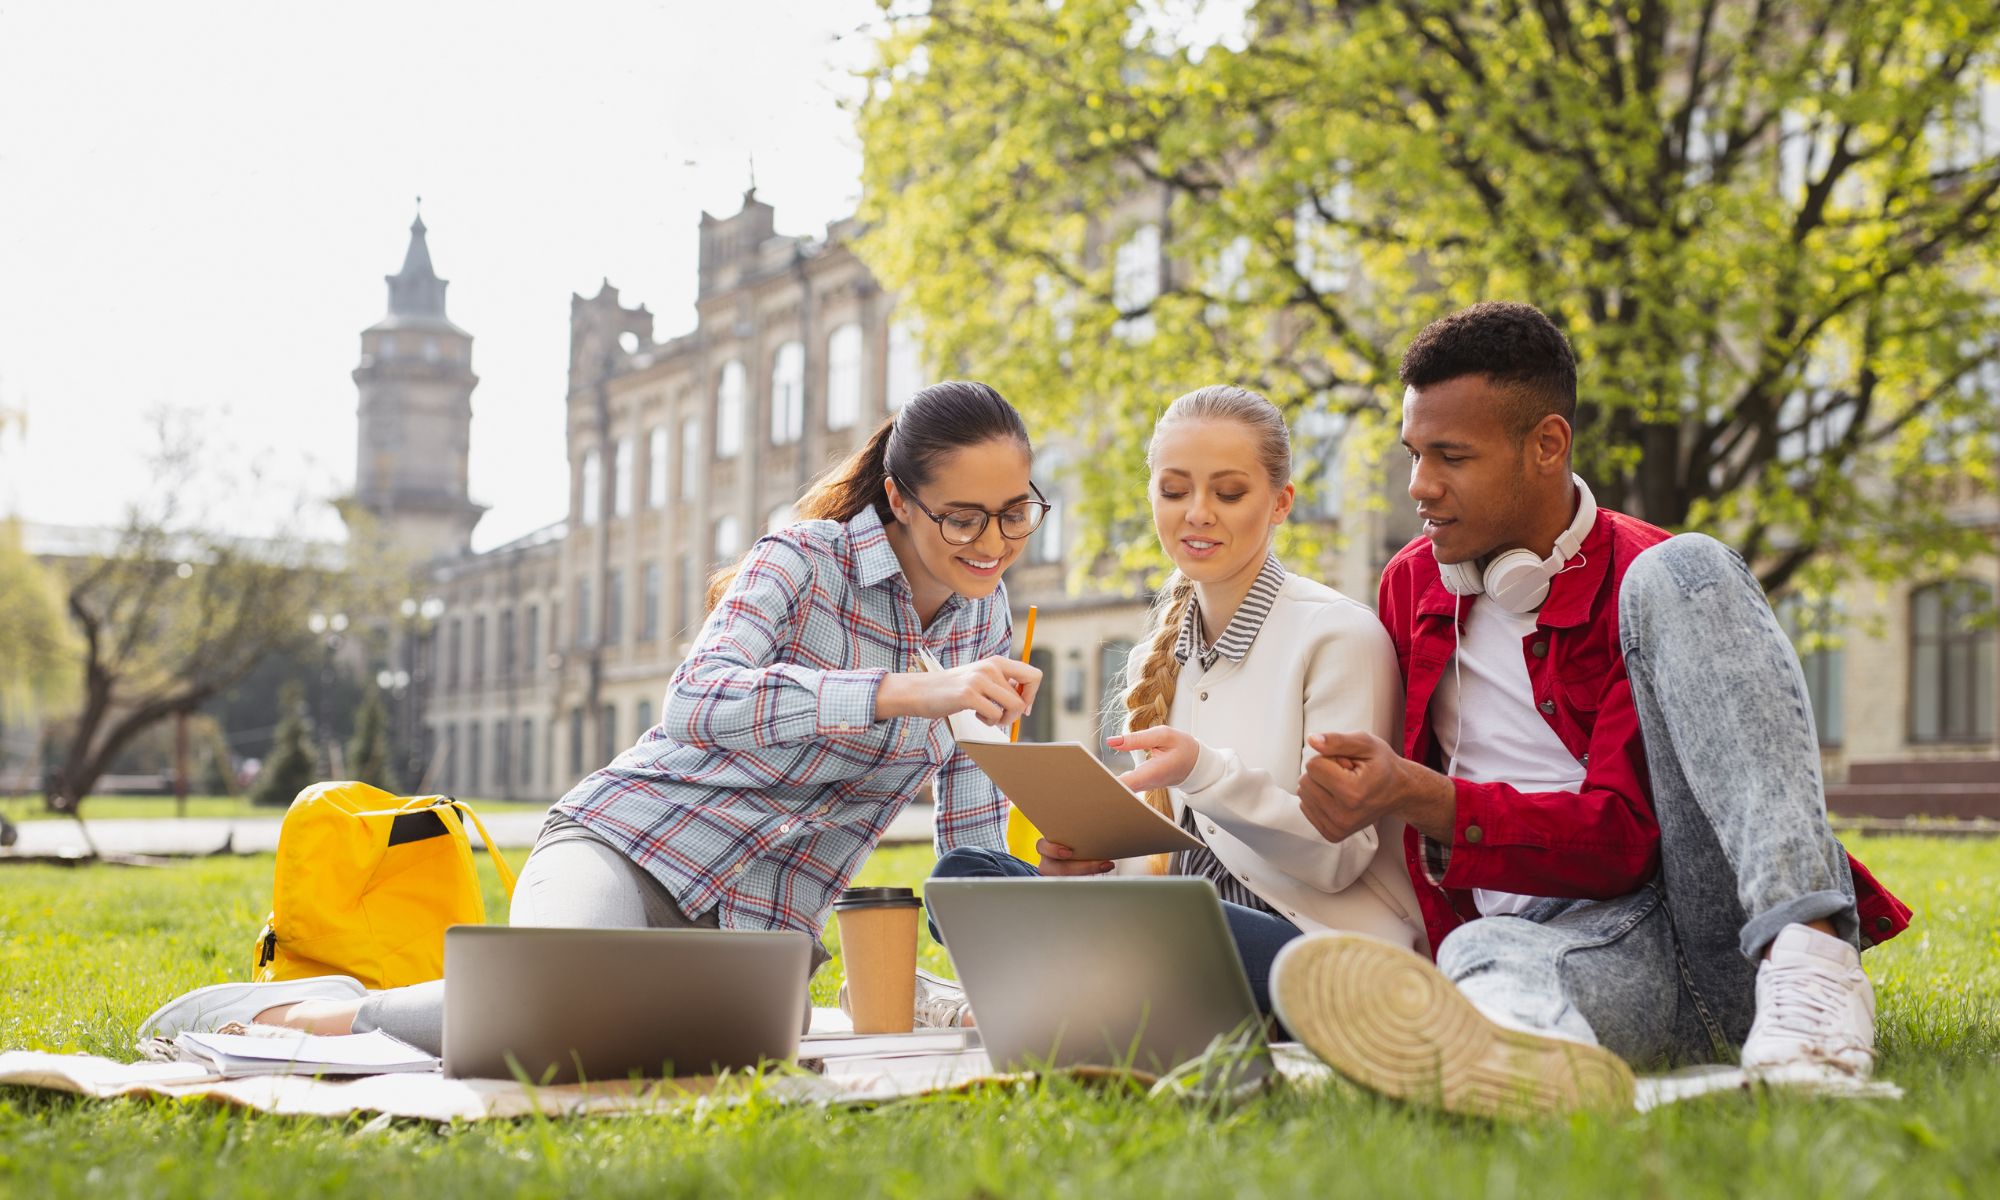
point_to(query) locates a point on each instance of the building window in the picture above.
(478, 649)
(472, 757)
(1321, 436)
(656, 468)
(644, 718)
(729, 411)
(501, 778)
(454, 770)
(728, 535)
(576, 742)
(788, 394)
(781, 516)
(1045, 545)
(507, 646)
(1040, 725)
(452, 635)
(590, 500)
(1812, 628)
(527, 752)
(649, 603)
(905, 373)
(386, 347)
(583, 612)
(691, 458)
(1135, 283)
(688, 607)
(607, 733)
(614, 606)
(531, 628)
(1111, 659)
(624, 484)
(843, 376)
(1951, 662)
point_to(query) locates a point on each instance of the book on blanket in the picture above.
(1070, 795)
(238, 1054)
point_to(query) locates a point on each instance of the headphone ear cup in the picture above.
(1461, 578)
(1518, 581)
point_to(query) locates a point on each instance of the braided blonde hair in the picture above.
(1149, 697)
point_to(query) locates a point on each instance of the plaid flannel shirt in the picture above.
(768, 779)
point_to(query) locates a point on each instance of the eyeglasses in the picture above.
(964, 526)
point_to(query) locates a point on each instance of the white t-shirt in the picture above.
(1505, 739)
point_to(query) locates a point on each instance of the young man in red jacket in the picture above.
(1618, 832)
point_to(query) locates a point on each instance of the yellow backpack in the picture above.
(366, 884)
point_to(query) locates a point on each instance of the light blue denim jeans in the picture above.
(1668, 973)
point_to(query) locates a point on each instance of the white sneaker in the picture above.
(1815, 1007)
(207, 1009)
(941, 1002)
(1390, 1021)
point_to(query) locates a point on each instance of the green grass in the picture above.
(106, 808)
(86, 953)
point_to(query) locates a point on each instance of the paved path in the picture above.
(259, 835)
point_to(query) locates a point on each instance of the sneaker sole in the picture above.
(1391, 1022)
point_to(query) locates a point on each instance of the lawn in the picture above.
(85, 953)
(107, 808)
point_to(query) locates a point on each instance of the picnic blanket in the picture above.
(431, 1096)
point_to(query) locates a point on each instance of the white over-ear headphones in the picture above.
(1518, 581)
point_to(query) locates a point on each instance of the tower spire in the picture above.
(416, 290)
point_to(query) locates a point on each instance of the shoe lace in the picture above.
(1807, 1002)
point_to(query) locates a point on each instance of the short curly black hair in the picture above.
(1514, 345)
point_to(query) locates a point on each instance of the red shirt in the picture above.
(1598, 843)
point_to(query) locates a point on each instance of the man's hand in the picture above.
(1356, 779)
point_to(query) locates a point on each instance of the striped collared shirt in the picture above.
(1232, 645)
(768, 779)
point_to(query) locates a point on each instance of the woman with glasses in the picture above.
(1242, 661)
(800, 725)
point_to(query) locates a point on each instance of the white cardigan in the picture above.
(1321, 663)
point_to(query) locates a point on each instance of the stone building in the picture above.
(550, 654)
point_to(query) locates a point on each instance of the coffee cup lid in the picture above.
(878, 897)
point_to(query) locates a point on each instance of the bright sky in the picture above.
(198, 203)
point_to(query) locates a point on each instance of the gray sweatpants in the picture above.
(573, 880)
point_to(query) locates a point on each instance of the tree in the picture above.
(172, 614)
(368, 750)
(1768, 229)
(293, 765)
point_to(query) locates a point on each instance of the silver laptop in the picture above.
(570, 1005)
(1109, 972)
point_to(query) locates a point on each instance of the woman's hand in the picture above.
(997, 690)
(1170, 757)
(1058, 859)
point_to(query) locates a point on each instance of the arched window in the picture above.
(656, 467)
(729, 411)
(690, 458)
(843, 376)
(622, 479)
(1814, 627)
(906, 363)
(1951, 662)
(788, 394)
(591, 502)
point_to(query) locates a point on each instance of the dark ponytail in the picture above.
(933, 424)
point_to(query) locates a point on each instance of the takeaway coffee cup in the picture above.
(878, 947)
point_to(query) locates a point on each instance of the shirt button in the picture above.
(1243, 877)
(1539, 649)
(1548, 708)
(785, 828)
(1204, 695)
(1210, 828)
(1473, 833)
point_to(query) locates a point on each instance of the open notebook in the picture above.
(1070, 795)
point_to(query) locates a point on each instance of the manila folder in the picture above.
(1076, 800)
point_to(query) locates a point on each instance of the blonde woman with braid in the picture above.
(1243, 661)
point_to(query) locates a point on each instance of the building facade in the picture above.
(549, 655)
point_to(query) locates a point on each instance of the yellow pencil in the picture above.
(1027, 648)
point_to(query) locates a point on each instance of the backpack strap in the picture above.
(456, 807)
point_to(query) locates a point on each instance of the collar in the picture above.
(1235, 640)
(1571, 592)
(873, 560)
